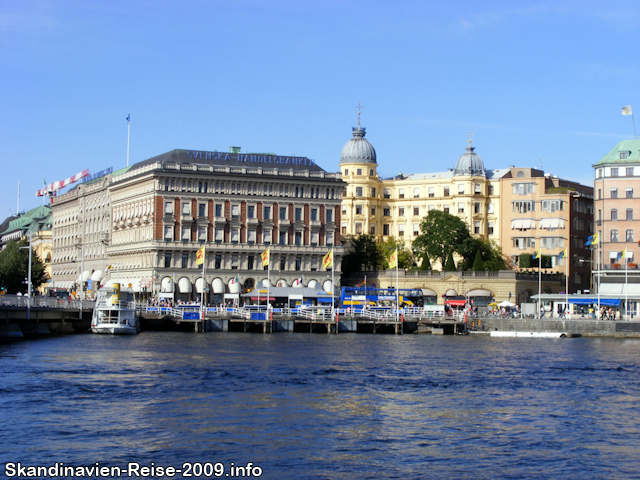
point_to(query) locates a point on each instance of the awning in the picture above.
(324, 299)
(96, 276)
(479, 293)
(451, 293)
(262, 298)
(282, 283)
(523, 224)
(85, 276)
(199, 284)
(429, 293)
(455, 303)
(327, 286)
(620, 289)
(604, 302)
(184, 285)
(312, 284)
(167, 285)
(218, 285)
(234, 287)
(552, 223)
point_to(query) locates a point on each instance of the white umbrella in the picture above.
(506, 304)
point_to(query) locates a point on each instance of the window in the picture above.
(283, 262)
(234, 262)
(490, 228)
(444, 209)
(283, 213)
(461, 189)
(523, 188)
(298, 263)
(614, 172)
(251, 236)
(298, 238)
(490, 189)
(476, 207)
(416, 192)
(629, 172)
(416, 211)
(250, 260)
(477, 187)
(387, 193)
(167, 260)
(235, 235)
(235, 211)
(251, 211)
(314, 238)
(202, 234)
(629, 236)
(358, 209)
(185, 260)
(524, 242)
(314, 264)
(283, 238)
(358, 191)
(614, 193)
(373, 192)
(614, 236)
(371, 172)
(186, 234)
(314, 214)
(401, 211)
(551, 205)
(168, 232)
(401, 193)
(219, 235)
(490, 208)
(629, 192)
(329, 238)
(168, 208)
(373, 230)
(385, 229)
(218, 261)
(476, 227)
(359, 171)
(218, 210)
(346, 171)
(266, 236)
(386, 211)
(267, 213)
(358, 228)
(298, 214)
(446, 191)
(186, 208)
(416, 229)
(629, 215)
(524, 206)
(614, 214)
(401, 229)
(460, 207)
(623, 156)
(433, 207)
(552, 242)
(329, 215)
(201, 209)
(432, 192)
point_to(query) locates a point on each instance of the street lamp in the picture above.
(583, 261)
(28, 280)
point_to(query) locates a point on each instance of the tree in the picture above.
(450, 266)
(491, 255)
(361, 253)
(14, 268)
(441, 235)
(527, 261)
(426, 263)
(478, 264)
(386, 248)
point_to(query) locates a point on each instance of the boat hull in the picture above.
(505, 334)
(114, 329)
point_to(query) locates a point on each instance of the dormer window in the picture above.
(624, 155)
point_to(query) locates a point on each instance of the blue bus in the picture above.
(357, 297)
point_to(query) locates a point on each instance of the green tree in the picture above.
(386, 248)
(14, 268)
(450, 265)
(527, 261)
(478, 264)
(491, 255)
(361, 253)
(426, 263)
(441, 235)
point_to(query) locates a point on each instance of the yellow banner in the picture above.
(327, 260)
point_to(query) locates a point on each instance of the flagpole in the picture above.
(128, 135)
(566, 278)
(626, 285)
(397, 289)
(204, 265)
(598, 267)
(540, 280)
(333, 288)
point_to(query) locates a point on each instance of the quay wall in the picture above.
(582, 326)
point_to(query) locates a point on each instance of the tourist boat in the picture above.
(115, 312)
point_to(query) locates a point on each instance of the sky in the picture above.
(538, 84)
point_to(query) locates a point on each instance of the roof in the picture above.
(358, 149)
(230, 159)
(34, 220)
(632, 149)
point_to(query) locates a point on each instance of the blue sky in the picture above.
(539, 84)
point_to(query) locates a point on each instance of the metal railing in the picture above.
(44, 302)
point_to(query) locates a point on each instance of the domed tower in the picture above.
(358, 166)
(469, 163)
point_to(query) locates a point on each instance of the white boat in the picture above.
(502, 333)
(115, 312)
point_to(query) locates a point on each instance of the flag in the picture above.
(360, 284)
(536, 254)
(627, 110)
(622, 254)
(200, 256)
(298, 281)
(129, 118)
(393, 259)
(327, 260)
(563, 254)
(595, 240)
(265, 258)
(235, 280)
(589, 241)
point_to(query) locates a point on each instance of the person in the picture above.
(541, 312)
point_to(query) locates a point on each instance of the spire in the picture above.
(470, 148)
(359, 107)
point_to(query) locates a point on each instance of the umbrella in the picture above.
(506, 304)
(493, 304)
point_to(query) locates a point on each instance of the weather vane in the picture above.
(470, 135)
(359, 107)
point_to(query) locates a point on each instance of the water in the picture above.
(326, 406)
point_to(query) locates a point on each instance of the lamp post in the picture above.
(28, 280)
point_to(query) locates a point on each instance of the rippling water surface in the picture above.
(327, 406)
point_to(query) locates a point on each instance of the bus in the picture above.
(357, 297)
